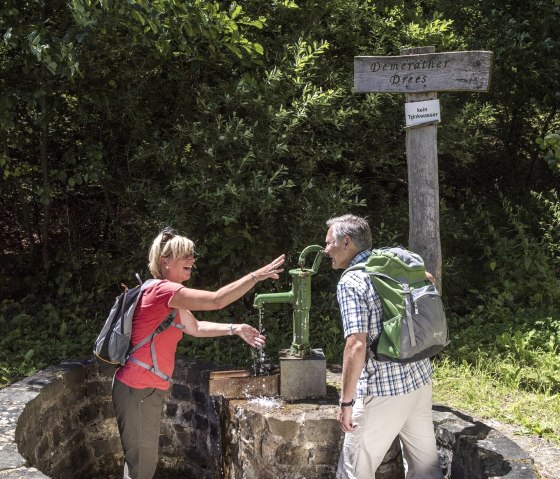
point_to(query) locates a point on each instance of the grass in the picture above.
(504, 370)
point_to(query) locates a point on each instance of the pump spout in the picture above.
(269, 298)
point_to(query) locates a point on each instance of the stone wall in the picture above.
(300, 441)
(64, 428)
(59, 423)
(191, 435)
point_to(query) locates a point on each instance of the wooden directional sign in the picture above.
(420, 73)
(444, 71)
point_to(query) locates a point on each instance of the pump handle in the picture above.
(310, 249)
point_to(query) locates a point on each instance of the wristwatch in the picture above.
(346, 404)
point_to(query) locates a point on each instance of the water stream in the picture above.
(259, 356)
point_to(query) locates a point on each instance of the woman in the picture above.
(138, 393)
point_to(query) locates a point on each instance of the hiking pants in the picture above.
(138, 413)
(380, 419)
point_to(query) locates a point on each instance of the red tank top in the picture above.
(152, 309)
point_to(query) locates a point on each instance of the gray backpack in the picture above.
(113, 343)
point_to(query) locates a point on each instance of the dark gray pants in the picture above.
(138, 414)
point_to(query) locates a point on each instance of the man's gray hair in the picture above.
(355, 227)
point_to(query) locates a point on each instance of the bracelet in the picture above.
(346, 404)
(254, 277)
(230, 329)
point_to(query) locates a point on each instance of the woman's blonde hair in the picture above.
(168, 244)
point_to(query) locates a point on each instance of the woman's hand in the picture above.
(270, 271)
(250, 335)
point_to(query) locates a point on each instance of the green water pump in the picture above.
(300, 299)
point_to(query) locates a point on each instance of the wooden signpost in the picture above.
(420, 73)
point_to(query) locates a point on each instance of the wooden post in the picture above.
(420, 73)
(423, 185)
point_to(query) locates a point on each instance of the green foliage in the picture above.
(236, 123)
(521, 353)
(551, 145)
(513, 256)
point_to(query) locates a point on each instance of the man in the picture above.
(379, 400)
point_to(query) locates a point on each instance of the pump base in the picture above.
(302, 378)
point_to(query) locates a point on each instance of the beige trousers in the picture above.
(379, 421)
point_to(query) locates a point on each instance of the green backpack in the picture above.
(414, 324)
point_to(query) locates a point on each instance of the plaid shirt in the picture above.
(361, 311)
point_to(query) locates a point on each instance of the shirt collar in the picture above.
(360, 257)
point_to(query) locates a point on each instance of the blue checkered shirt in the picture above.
(361, 311)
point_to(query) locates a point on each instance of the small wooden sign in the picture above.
(444, 71)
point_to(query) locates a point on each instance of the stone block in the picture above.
(74, 379)
(302, 378)
(171, 409)
(106, 409)
(293, 455)
(98, 388)
(88, 413)
(106, 445)
(188, 415)
(520, 471)
(195, 456)
(325, 454)
(390, 470)
(80, 457)
(42, 448)
(200, 399)
(266, 447)
(200, 423)
(56, 436)
(505, 447)
(323, 429)
(180, 392)
(198, 375)
(286, 428)
(244, 387)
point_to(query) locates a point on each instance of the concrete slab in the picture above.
(302, 378)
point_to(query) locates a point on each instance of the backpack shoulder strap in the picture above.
(147, 283)
(169, 321)
(362, 266)
(353, 268)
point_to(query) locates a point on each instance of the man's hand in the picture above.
(353, 360)
(344, 418)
